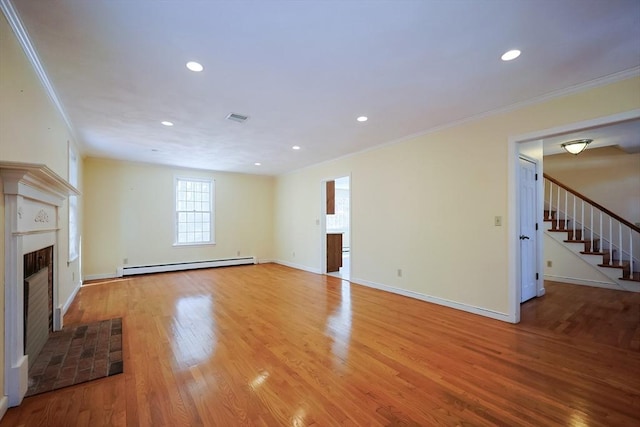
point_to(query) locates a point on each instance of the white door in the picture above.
(527, 235)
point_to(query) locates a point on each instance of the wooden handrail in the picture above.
(594, 204)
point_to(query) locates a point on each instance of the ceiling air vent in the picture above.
(237, 117)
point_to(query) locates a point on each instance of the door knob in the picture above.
(523, 237)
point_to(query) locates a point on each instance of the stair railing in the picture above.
(592, 221)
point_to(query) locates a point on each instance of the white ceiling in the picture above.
(304, 70)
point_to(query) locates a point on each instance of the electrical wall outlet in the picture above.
(497, 221)
(399, 272)
(549, 263)
(125, 261)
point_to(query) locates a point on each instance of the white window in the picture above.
(194, 211)
(340, 220)
(74, 231)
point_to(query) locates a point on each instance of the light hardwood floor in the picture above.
(598, 315)
(268, 345)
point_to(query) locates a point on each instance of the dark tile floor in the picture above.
(77, 354)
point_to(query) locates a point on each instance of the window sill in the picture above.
(190, 245)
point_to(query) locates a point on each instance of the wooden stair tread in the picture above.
(635, 277)
(592, 253)
(557, 222)
(615, 264)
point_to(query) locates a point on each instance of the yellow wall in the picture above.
(129, 214)
(427, 205)
(32, 131)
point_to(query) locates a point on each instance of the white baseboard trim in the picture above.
(130, 270)
(67, 304)
(299, 266)
(583, 282)
(436, 300)
(4, 405)
(118, 274)
(100, 276)
(59, 312)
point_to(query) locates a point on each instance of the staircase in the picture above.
(597, 235)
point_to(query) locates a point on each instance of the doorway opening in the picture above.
(337, 221)
(526, 145)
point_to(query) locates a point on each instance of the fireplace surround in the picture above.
(33, 194)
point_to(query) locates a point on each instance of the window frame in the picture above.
(176, 212)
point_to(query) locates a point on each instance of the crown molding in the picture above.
(601, 81)
(581, 87)
(23, 38)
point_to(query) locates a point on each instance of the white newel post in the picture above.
(33, 193)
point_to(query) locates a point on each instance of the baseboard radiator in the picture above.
(178, 266)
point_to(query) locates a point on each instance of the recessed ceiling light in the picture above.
(195, 66)
(510, 55)
(257, 163)
(296, 147)
(155, 150)
(362, 118)
(167, 123)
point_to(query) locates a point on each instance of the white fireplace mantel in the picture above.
(19, 178)
(32, 195)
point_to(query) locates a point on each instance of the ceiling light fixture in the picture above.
(296, 147)
(510, 55)
(576, 146)
(167, 123)
(257, 164)
(362, 118)
(195, 66)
